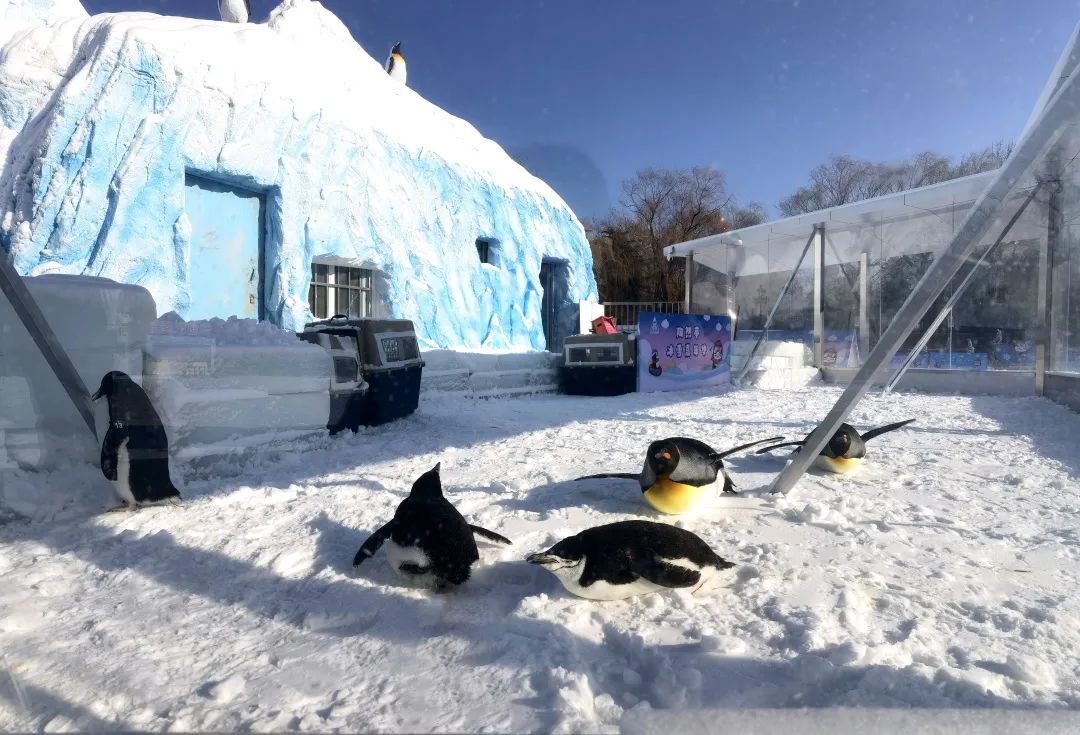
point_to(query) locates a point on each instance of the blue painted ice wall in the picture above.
(351, 163)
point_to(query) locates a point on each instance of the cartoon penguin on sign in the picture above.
(135, 452)
(654, 365)
(395, 64)
(429, 541)
(620, 560)
(717, 353)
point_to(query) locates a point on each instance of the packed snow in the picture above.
(942, 574)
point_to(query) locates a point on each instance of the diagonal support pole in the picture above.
(30, 315)
(957, 293)
(1063, 108)
(776, 306)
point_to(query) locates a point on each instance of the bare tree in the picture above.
(843, 179)
(661, 207)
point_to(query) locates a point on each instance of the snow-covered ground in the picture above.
(943, 574)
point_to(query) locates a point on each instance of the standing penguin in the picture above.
(680, 472)
(234, 11)
(135, 452)
(430, 542)
(845, 449)
(619, 560)
(395, 64)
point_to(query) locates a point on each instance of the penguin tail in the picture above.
(616, 475)
(771, 447)
(883, 429)
(490, 535)
(726, 452)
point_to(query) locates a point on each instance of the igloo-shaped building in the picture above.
(270, 171)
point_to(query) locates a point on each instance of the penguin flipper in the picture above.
(109, 448)
(777, 446)
(374, 542)
(616, 475)
(882, 429)
(726, 452)
(490, 535)
(660, 572)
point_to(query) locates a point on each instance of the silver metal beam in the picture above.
(1055, 227)
(1063, 107)
(776, 305)
(864, 305)
(30, 315)
(946, 311)
(819, 297)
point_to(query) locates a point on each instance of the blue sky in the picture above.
(589, 91)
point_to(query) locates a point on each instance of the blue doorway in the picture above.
(225, 275)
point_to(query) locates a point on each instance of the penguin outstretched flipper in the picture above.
(490, 535)
(715, 456)
(616, 475)
(373, 544)
(866, 436)
(660, 572)
(763, 450)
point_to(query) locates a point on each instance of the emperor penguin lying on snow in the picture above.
(846, 449)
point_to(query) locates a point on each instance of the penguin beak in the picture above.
(544, 559)
(96, 395)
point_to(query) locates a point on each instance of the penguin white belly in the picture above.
(399, 555)
(838, 465)
(233, 11)
(673, 498)
(601, 590)
(122, 483)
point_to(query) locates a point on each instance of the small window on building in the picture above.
(337, 289)
(486, 249)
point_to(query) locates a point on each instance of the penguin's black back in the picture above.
(435, 525)
(697, 464)
(132, 418)
(611, 550)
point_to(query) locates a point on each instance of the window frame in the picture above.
(331, 281)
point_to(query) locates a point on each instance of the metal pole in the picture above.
(1055, 226)
(689, 279)
(819, 297)
(780, 297)
(864, 305)
(947, 309)
(1063, 107)
(30, 315)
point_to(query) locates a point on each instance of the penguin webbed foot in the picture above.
(123, 507)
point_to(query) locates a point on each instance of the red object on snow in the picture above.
(604, 325)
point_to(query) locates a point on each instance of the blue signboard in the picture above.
(677, 351)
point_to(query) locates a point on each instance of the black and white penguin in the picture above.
(234, 11)
(135, 452)
(846, 448)
(679, 473)
(620, 560)
(429, 541)
(395, 64)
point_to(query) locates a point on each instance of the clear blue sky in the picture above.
(589, 91)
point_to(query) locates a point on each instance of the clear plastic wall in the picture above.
(1064, 287)
(991, 327)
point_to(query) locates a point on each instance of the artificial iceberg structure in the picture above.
(212, 163)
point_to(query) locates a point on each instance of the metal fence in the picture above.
(625, 313)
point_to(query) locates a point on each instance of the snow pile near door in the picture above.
(101, 117)
(943, 574)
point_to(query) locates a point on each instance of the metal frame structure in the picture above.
(1063, 106)
(780, 297)
(22, 301)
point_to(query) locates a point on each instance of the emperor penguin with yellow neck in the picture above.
(680, 473)
(845, 450)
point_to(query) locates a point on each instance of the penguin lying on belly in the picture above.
(679, 473)
(845, 449)
(620, 560)
(429, 541)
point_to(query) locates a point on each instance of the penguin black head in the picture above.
(396, 49)
(428, 486)
(566, 554)
(113, 383)
(663, 457)
(845, 443)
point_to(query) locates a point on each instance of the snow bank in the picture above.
(101, 118)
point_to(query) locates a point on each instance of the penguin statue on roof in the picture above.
(235, 11)
(395, 64)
